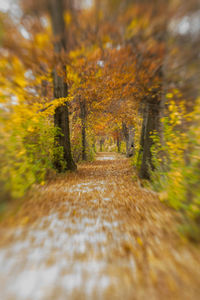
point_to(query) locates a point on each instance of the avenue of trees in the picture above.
(111, 76)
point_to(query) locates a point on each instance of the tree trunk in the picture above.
(151, 123)
(61, 117)
(128, 133)
(126, 137)
(101, 144)
(131, 137)
(44, 88)
(83, 128)
(118, 144)
(144, 113)
(94, 144)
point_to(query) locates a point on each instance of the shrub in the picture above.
(177, 165)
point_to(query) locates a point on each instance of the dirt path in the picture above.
(96, 235)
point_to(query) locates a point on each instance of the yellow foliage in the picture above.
(139, 240)
(42, 39)
(169, 95)
(67, 17)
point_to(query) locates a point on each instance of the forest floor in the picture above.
(95, 234)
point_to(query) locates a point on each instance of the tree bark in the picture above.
(151, 123)
(101, 144)
(94, 144)
(128, 133)
(83, 114)
(126, 137)
(61, 117)
(118, 144)
(131, 145)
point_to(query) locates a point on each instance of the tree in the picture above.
(61, 117)
(83, 115)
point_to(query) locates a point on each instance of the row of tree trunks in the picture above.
(61, 117)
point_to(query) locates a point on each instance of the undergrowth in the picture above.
(177, 166)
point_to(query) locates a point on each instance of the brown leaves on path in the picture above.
(95, 234)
